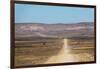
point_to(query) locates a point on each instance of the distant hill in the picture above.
(83, 29)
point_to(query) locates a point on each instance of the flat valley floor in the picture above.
(51, 51)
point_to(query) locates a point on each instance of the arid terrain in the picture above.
(47, 43)
(83, 29)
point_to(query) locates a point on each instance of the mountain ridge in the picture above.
(54, 30)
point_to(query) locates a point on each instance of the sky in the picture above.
(26, 13)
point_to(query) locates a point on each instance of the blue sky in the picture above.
(25, 13)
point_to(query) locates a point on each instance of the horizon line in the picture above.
(51, 23)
